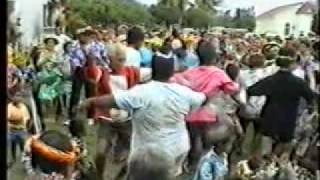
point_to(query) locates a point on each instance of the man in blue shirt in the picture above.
(99, 49)
(83, 47)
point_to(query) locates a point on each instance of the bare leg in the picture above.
(104, 144)
(120, 151)
(196, 147)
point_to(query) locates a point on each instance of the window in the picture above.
(287, 29)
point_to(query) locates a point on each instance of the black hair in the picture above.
(232, 71)
(180, 53)
(77, 126)
(287, 56)
(135, 35)
(206, 53)
(162, 68)
(58, 141)
(291, 52)
(65, 46)
(175, 33)
(46, 40)
(148, 165)
(166, 46)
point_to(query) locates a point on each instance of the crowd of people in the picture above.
(164, 104)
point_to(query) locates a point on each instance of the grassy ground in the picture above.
(16, 171)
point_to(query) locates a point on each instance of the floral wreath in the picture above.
(51, 154)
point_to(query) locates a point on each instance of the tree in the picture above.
(209, 5)
(111, 11)
(165, 15)
(244, 18)
(197, 18)
(183, 5)
(73, 22)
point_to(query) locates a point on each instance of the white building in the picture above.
(32, 14)
(293, 19)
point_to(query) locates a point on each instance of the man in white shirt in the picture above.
(135, 38)
(159, 109)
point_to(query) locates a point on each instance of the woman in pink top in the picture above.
(207, 123)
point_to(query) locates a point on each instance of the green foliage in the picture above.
(74, 22)
(111, 11)
(244, 18)
(165, 15)
(197, 18)
(166, 12)
(208, 5)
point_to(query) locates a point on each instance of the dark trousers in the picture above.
(78, 82)
(17, 139)
(61, 103)
(39, 106)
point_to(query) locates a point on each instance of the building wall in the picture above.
(275, 22)
(31, 14)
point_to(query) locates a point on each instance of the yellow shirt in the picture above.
(18, 116)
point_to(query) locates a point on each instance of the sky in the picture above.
(261, 6)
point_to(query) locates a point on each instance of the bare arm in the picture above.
(102, 102)
(42, 60)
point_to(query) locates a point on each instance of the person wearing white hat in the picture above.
(82, 48)
(49, 55)
(62, 38)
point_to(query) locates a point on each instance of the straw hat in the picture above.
(269, 46)
(85, 30)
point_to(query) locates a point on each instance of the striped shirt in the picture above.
(78, 54)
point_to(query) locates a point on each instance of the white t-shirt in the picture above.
(159, 116)
(248, 78)
(134, 57)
